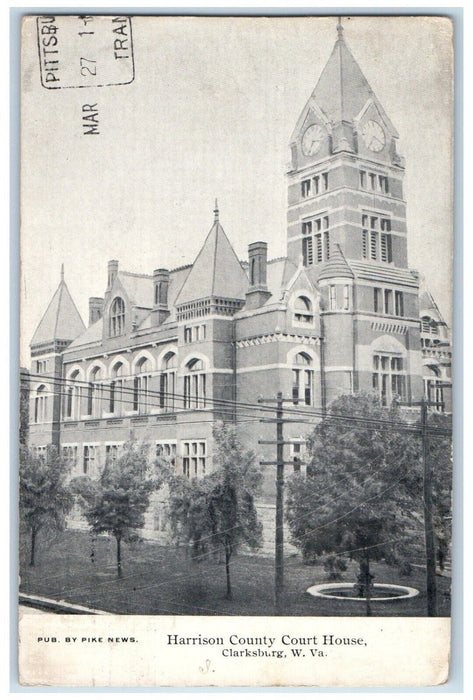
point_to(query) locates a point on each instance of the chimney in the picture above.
(160, 290)
(112, 272)
(258, 292)
(95, 309)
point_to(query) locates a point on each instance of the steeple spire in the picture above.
(340, 29)
(216, 211)
(62, 272)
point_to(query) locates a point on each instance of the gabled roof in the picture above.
(216, 272)
(61, 320)
(342, 90)
(337, 266)
(139, 288)
(427, 304)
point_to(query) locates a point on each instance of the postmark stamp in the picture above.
(85, 51)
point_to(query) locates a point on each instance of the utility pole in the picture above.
(428, 519)
(431, 582)
(279, 528)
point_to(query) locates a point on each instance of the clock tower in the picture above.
(346, 225)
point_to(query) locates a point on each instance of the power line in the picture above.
(220, 404)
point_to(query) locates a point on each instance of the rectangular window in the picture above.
(373, 245)
(187, 391)
(111, 406)
(167, 450)
(194, 457)
(346, 297)
(307, 251)
(384, 248)
(332, 297)
(89, 460)
(376, 235)
(388, 301)
(372, 177)
(305, 188)
(296, 449)
(111, 454)
(69, 455)
(383, 184)
(295, 386)
(40, 452)
(326, 245)
(90, 398)
(377, 300)
(318, 242)
(364, 244)
(316, 181)
(399, 303)
(325, 181)
(308, 373)
(363, 179)
(187, 334)
(306, 228)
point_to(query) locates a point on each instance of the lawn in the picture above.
(160, 580)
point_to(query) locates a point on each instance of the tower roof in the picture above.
(337, 266)
(342, 90)
(216, 272)
(61, 320)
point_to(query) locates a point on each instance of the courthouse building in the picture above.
(166, 354)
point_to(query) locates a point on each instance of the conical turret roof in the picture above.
(216, 272)
(337, 266)
(61, 320)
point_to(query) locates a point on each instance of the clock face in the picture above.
(373, 136)
(312, 140)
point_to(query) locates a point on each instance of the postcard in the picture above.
(236, 391)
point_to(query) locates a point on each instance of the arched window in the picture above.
(73, 396)
(194, 384)
(116, 389)
(303, 311)
(167, 382)
(117, 317)
(433, 388)
(41, 404)
(95, 393)
(141, 385)
(302, 379)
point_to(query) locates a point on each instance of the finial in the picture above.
(62, 272)
(216, 212)
(340, 28)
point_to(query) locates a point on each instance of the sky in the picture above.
(209, 114)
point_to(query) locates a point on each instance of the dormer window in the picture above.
(303, 312)
(429, 326)
(117, 317)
